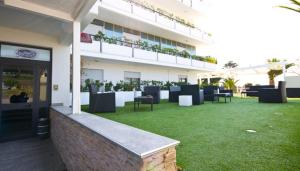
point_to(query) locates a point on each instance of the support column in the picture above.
(283, 70)
(76, 106)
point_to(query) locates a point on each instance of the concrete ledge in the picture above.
(90, 142)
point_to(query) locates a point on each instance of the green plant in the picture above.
(119, 86)
(230, 64)
(184, 54)
(230, 83)
(99, 36)
(156, 48)
(272, 73)
(10, 83)
(210, 59)
(108, 86)
(296, 7)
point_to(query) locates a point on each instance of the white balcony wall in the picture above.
(90, 47)
(183, 61)
(182, 28)
(210, 66)
(144, 54)
(114, 49)
(119, 4)
(165, 21)
(145, 14)
(166, 58)
(197, 63)
(196, 33)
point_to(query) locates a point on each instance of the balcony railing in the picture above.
(127, 50)
(196, 4)
(156, 17)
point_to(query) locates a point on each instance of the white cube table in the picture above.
(185, 100)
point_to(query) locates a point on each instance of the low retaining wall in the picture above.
(89, 142)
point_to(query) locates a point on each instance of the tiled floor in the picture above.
(30, 154)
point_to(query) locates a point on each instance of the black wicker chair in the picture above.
(209, 92)
(273, 95)
(154, 91)
(195, 92)
(174, 92)
(101, 102)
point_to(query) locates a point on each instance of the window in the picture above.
(109, 30)
(98, 22)
(118, 31)
(132, 78)
(90, 76)
(183, 78)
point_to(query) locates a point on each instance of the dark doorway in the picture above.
(24, 96)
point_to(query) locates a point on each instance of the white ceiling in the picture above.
(68, 6)
(10, 17)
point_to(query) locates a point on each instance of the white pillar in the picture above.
(76, 108)
(208, 80)
(283, 70)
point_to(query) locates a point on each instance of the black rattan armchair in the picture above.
(273, 95)
(101, 102)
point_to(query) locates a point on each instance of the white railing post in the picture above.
(76, 106)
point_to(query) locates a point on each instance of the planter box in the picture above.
(144, 54)
(182, 28)
(197, 63)
(90, 47)
(120, 99)
(144, 13)
(165, 21)
(210, 66)
(129, 95)
(114, 49)
(166, 58)
(183, 61)
(164, 94)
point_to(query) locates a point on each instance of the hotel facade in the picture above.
(39, 73)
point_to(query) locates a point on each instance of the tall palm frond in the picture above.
(296, 3)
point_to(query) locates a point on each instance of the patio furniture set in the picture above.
(185, 95)
(268, 93)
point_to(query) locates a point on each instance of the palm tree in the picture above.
(275, 72)
(296, 7)
(230, 84)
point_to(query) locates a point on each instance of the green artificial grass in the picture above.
(214, 136)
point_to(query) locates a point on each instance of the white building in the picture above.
(129, 23)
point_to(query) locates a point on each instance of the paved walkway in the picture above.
(30, 154)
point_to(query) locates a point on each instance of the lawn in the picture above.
(214, 136)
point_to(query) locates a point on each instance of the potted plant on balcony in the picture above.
(99, 36)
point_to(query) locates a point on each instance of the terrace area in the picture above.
(214, 136)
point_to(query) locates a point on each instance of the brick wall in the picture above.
(83, 149)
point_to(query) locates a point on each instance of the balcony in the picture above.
(195, 4)
(124, 51)
(145, 14)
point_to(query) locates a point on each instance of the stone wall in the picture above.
(83, 149)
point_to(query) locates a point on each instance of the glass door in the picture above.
(17, 100)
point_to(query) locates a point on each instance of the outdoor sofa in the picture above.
(273, 95)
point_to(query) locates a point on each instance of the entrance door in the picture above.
(25, 96)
